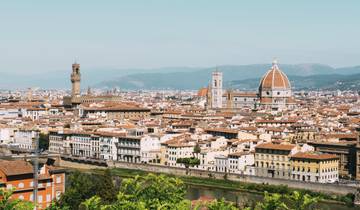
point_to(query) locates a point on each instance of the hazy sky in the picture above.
(47, 35)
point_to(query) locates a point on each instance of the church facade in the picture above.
(274, 93)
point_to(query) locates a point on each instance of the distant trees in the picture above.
(187, 162)
(197, 148)
(43, 142)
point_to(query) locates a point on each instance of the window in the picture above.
(58, 180)
(48, 198)
(21, 185)
(40, 199)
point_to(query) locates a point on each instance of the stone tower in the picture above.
(75, 80)
(216, 89)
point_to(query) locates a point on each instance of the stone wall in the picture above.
(318, 187)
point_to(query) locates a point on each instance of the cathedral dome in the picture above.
(274, 79)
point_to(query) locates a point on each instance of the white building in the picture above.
(6, 135)
(150, 149)
(25, 139)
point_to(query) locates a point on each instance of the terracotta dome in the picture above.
(274, 79)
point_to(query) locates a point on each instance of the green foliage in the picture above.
(83, 186)
(56, 206)
(197, 148)
(192, 161)
(154, 191)
(6, 203)
(271, 202)
(145, 192)
(300, 201)
(93, 203)
(43, 141)
(221, 205)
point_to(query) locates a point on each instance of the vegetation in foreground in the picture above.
(250, 187)
(158, 192)
(88, 191)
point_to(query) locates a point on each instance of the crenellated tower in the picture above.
(75, 80)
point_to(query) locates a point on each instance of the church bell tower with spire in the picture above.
(75, 80)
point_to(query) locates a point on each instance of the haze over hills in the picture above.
(235, 76)
(249, 75)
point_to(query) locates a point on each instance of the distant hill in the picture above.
(162, 78)
(200, 78)
(324, 82)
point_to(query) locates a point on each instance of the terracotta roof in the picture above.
(314, 156)
(202, 92)
(15, 167)
(274, 79)
(275, 146)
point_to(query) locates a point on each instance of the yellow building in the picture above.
(273, 160)
(314, 167)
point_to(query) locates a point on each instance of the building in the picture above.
(273, 160)
(274, 93)
(150, 149)
(116, 111)
(18, 175)
(25, 138)
(275, 89)
(241, 163)
(128, 149)
(314, 167)
(75, 80)
(75, 99)
(216, 90)
(347, 153)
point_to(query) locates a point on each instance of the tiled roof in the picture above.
(314, 156)
(274, 79)
(15, 167)
(275, 146)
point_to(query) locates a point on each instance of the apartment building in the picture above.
(273, 160)
(25, 138)
(18, 175)
(315, 167)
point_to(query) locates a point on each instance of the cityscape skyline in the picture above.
(47, 36)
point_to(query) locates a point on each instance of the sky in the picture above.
(41, 35)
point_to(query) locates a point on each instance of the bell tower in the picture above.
(75, 80)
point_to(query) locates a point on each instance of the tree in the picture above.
(187, 162)
(105, 187)
(154, 191)
(81, 187)
(147, 192)
(6, 203)
(271, 202)
(43, 142)
(93, 203)
(221, 205)
(197, 148)
(301, 201)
